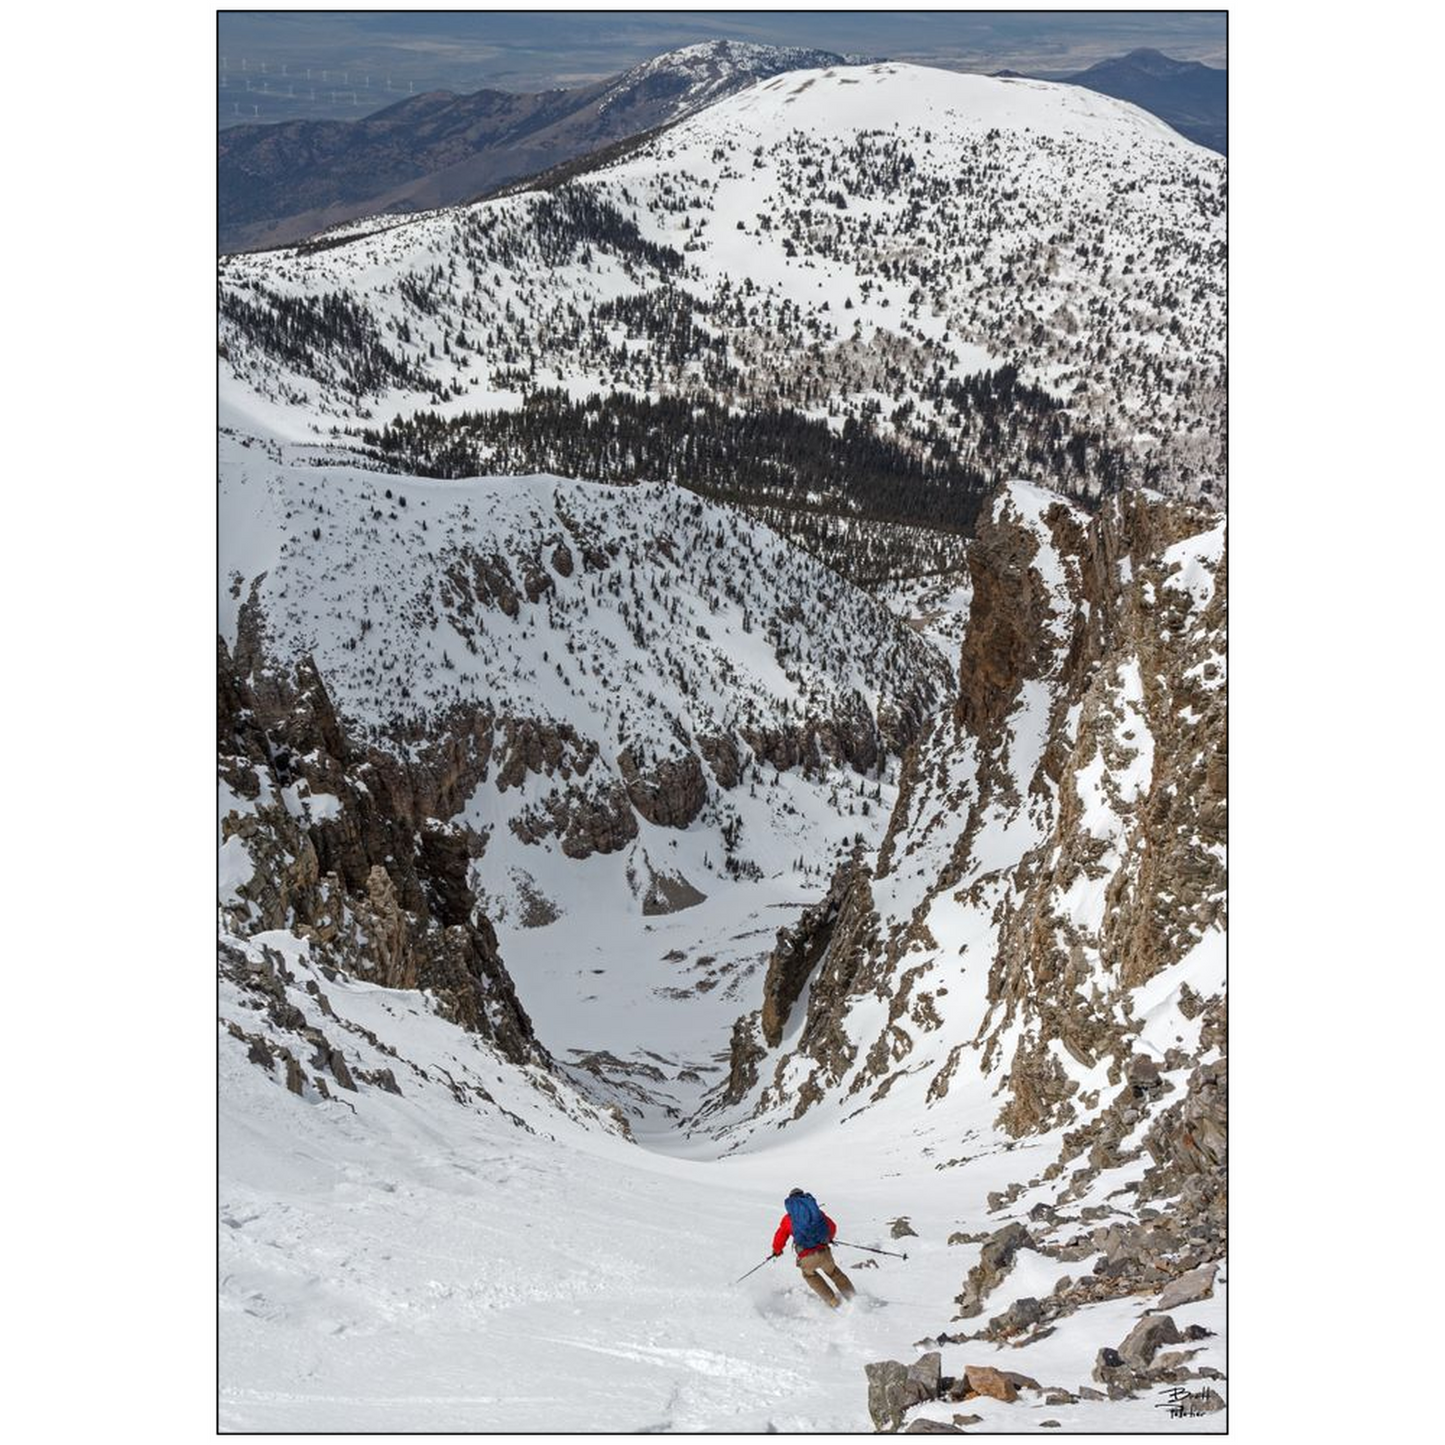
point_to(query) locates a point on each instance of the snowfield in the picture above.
(414, 1264)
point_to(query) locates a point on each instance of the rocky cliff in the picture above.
(341, 846)
(1044, 919)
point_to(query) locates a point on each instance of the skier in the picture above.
(812, 1232)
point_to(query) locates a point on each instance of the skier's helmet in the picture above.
(795, 1192)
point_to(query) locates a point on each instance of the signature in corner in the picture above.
(1182, 1403)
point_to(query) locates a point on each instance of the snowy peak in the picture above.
(682, 82)
(892, 95)
(716, 67)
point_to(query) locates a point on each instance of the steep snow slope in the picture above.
(833, 242)
(464, 1255)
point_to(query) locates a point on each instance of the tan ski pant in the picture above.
(819, 1263)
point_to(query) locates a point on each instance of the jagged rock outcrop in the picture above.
(797, 952)
(670, 792)
(826, 946)
(333, 851)
(995, 1259)
(895, 1388)
(1065, 816)
(598, 818)
(745, 1052)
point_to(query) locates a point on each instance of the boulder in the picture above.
(1145, 1338)
(1115, 1375)
(894, 1388)
(932, 1427)
(1143, 1073)
(887, 1393)
(926, 1375)
(1198, 1284)
(985, 1380)
(902, 1229)
(1018, 1316)
(995, 1259)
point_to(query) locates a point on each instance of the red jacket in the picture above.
(785, 1232)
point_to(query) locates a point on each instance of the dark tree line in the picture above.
(780, 458)
(771, 459)
(301, 331)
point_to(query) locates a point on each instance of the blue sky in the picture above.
(360, 60)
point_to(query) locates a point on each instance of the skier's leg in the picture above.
(817, 1283)
(829, 1267)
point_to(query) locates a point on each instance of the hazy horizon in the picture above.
(274, 66)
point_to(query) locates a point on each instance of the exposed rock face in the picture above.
(995, 1259)
(894, 1388)
(1144, 1340)
(797, 953)
(888, 1395)
(1129, 661)
(997, 1384)
(593, 819)
(670, 793)
(827, 946)
(1198, 1284)
(338, 856)
(1066, 818)
(723, 757)
(744, 1054)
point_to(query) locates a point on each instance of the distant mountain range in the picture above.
(1191, 97)
(281, 183)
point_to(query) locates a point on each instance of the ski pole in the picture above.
(892, 1254)
(755, 1268)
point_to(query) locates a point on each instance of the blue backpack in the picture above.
(810, 1229)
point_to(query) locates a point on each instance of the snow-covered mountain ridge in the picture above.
(281, 183)
(849, 246)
